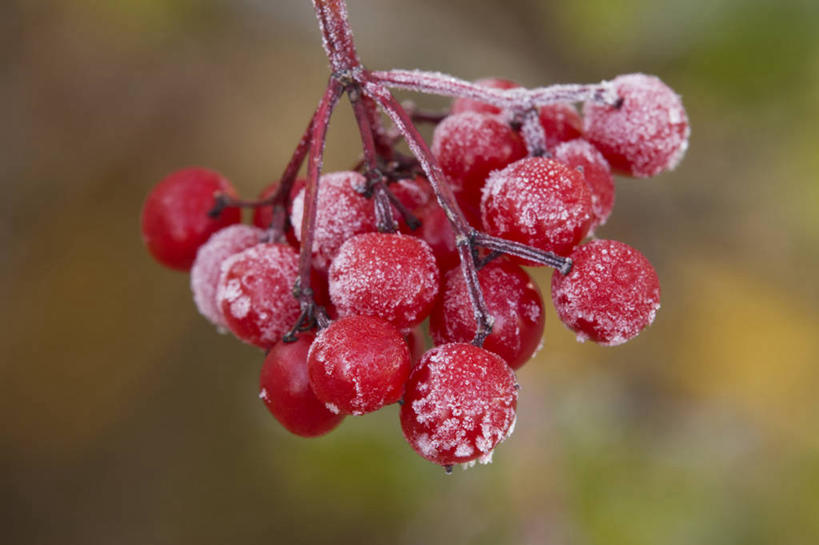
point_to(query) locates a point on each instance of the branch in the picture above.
(443, 84)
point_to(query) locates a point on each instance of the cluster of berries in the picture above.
(374, 281)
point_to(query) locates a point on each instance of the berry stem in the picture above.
(318, 137)
(532, 132)
(550, 259)
(375, 178)
(336, 34)
(446, 85)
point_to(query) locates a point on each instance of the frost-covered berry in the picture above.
(513, 300)
(560, 122)
(391, 276)
(580, 153)
(285, 390)
(175, 221)
(540, 202)
(463, 104)
(610, 295)
(647, 134)
(358, 364)
(469, 145)
(342, 212)
(459, 403)
(208, 265)
(255, 293)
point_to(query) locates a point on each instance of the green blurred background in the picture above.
(127, 420)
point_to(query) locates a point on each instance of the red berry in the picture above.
(472, 105)
(285, 390)
(391, 276)
(596, 172)
(512, 299)
(207, 267)
(358, 364)
(342, 212)
(540, 202)
(413, 194)
(647, 134)
(255, 293)
(560, 122)
(437, 231)
(175, 221)
(459, 403)
(469, 145)
(610, 295)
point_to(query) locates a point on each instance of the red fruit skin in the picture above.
(358, 364)
(459, 403)
(596, 172)
(437, 231)
(284, 388)
(175, 220)
(610, 295)
(207, 267)
(647, 135)
(513, 300)
(469, 145)
(391, 276)
(255, 293)
(342, 213)
(540, 202)
(471, 105)
(560, 122)
(414, 194)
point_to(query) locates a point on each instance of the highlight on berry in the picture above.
(402, 280)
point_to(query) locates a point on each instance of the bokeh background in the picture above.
(127, 420)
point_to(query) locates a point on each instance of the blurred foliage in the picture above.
(127, 420)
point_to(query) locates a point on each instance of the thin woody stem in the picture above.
(542, 257)
(446, 85)
(314, 163)
(337, 36)
(375, 179)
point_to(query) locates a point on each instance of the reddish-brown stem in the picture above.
(542, 257)
(375, 179)
(314, 163)
(446, 85)
(336, 34)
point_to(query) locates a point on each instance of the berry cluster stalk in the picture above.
(368, 90)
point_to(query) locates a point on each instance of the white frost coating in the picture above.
(648, 134)
(358, 364)
(207, 266)
(611, 294)
(538, 199)
(342, 213)
(263, 394)
(390, 276)
(466, 405)
(332, 408)
(466, 143)
(254, 292)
